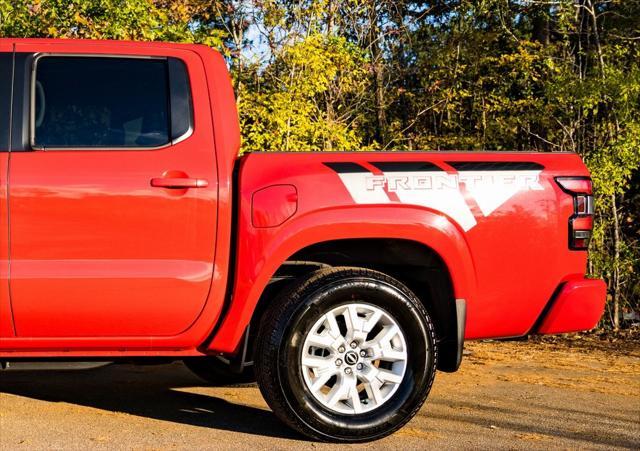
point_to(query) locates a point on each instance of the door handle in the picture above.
(178, 182)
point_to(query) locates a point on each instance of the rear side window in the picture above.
(6, 64)
(100, 102)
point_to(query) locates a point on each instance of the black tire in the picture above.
(292, 314)
(218, 373)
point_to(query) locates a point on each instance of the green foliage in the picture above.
(287, 110)
(322, 75)
(140, 20)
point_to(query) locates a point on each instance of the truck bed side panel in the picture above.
(504, 213)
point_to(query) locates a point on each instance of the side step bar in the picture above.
(50, 365)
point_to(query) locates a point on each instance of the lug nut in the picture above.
(338, 362)
(363, 353)
(359, 366)
(354, 345)
(347, 370)
(341, 349)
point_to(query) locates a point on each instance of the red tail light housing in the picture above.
(581, 222)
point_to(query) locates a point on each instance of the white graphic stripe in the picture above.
(356, 183)
(491, 189)
(434, 189)
(441, 191)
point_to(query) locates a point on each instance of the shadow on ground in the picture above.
(475, 408)
(146, 391)
(519, 421)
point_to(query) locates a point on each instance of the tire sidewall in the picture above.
(418, 333)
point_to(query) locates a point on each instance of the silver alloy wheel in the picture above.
(354, 358)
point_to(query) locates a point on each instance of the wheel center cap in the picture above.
(351, 358)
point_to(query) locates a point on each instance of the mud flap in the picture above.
(450, 349)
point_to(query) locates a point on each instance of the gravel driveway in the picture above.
(508, 395)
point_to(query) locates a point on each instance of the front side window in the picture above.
(100, 102)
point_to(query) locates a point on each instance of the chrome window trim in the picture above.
(32, 104)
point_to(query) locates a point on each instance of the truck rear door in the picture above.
(6, 66)
(112, 191)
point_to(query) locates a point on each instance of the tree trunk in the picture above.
(540, 24)
(381, 114)
(328, 142)
(331, 13)
(615, 285)
(378, 76)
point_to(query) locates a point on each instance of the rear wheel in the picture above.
(346, 355)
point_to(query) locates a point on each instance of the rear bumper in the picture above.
(577, 306)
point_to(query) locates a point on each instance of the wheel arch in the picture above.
(414, 264)
(423, 242)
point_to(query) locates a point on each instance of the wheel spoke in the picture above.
(353, 321)
(386, 334)
(312, 361)
(388, 354)
(373, 390)
(339, 391)
(320, 341)
(388, 376)
(321, 380)
(354, 395)
(334, 329)
(371, 322)
(391, 355)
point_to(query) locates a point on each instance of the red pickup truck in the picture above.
(129, 229)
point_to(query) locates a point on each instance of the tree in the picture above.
(325, 75)
(307, 98)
